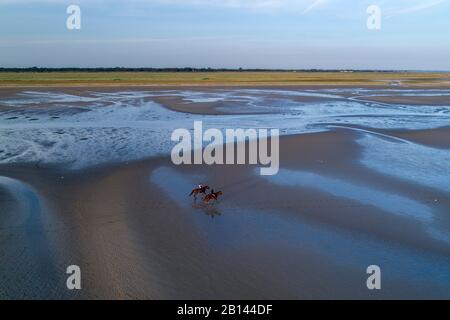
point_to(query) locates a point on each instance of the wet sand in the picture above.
(438, 138)
(136, 234)
(410, 100)
(309, 232)
(228, 106)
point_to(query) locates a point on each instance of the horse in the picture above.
(213, 196)
(199, 190)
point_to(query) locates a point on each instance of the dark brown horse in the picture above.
(213, 196)
(199, 190)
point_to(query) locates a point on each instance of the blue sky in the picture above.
(414, 35)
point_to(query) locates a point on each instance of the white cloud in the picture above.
(391, 7)
(297, 5)
(301, 5)
(314, 5)
(418, 7)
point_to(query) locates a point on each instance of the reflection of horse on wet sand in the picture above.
(212, 211)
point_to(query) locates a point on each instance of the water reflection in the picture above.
(408, 161)
(246, 227)
(211, 210)
(388, 202)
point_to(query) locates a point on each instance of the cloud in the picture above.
(314, 5)
(296, 5)
(393, 8)
(421, 6)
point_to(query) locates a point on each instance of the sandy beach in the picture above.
(363, 180)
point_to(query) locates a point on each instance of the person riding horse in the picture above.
(212, 196)
(200, 189)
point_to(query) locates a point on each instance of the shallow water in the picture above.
(408, 161)
(76, 132)
(236, 229)
(364, 194)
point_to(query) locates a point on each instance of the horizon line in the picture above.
(207, 69)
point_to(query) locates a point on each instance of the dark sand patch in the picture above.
(180, 105)
(230, 106)
(438, 138)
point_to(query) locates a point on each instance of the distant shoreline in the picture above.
(192, 69)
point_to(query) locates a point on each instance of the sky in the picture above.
(281, 34)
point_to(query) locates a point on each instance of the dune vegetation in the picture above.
(227, 78)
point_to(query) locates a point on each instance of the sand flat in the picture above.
(125, 218)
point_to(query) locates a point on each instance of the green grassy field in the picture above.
(12, 79)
